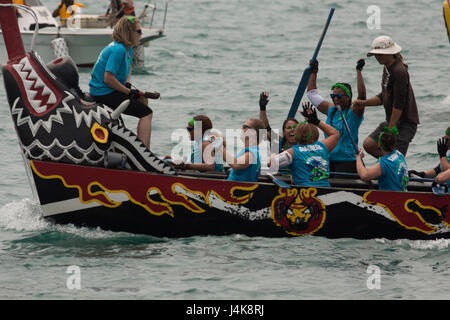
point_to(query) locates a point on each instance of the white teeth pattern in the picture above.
(32, 82)
(34, 127)
(47, 154)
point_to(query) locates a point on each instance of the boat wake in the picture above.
(22, 215)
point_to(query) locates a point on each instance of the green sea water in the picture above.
(216, 58)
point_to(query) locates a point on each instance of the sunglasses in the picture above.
(138, 31)
(244, 126)
(339, 95)
(292, 127)
(189, 128)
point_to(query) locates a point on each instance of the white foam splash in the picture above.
(446, 101)
(23, 215)
(438, 244)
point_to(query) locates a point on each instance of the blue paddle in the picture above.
(278, 182)
(307, 73)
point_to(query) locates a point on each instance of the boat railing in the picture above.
(336, 181)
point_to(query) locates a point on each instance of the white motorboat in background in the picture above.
(83, 37)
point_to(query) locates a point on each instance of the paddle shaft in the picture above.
(307, 72)
(357, 176)
(348, 129)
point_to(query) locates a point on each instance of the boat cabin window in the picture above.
(33, 3)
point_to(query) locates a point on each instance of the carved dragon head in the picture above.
(54, 123)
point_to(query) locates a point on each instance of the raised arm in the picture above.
(359, 109)
(272, 136)
(313, 95)
(333, 135)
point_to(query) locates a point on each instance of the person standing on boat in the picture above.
(246, 166)
(443, 145)
(66, 9)
(390, 170)
(342, 158)
(112, 72)
(309, 159)
(397, 97)
(204, 156)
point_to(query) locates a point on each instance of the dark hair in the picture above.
(306, 133)
(257, 125)
(286, 121)
(387, 141)
(206, 122)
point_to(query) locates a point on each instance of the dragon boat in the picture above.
(87, 169)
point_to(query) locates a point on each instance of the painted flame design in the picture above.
(94, 184)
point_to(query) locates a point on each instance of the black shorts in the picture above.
(406, 132)
(114, 99)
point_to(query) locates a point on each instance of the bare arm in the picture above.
(443, 177)
(364, 173)
(359, 110)
(395, 117)
(444, 164)
(115, 84)
(243, 162)
(332, 135)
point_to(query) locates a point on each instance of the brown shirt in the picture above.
(397, 92)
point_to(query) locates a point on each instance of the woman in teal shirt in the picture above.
(205, 156)
(390, 170)
(342, 158)
(111, 74)
(309, 159)
(246, 166)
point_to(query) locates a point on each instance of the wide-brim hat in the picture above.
(384, 45)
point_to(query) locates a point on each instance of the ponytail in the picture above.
(399, 56)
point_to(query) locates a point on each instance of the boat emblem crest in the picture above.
(298, 211)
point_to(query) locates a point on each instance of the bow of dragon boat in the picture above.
(86, 168)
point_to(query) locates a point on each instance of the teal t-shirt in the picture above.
(114, 58)
(251, 173)
(310, 165)
(394, 175)
(344, 150)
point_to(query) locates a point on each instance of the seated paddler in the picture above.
(390, 169)
(309, 159)
(246, 166)
(206, 153)
(443, 145)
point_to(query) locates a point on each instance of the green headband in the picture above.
(394, 131)
(447, 132)
(192, 122)
(340, 85)
(131, 19)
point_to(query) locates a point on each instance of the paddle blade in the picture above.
(300, 91)
(278, 182)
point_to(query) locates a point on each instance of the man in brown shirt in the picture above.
(397, 97)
